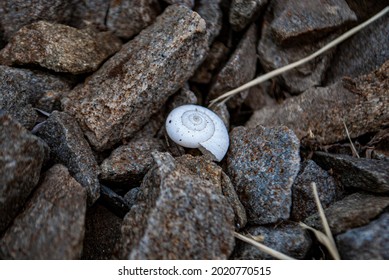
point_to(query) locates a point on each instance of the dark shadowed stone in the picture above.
(211, 12)
(52, 223)
(303, 201)
(21, 87)
(367, 174)
(178, 215)
(129, 163)
(353, 211)
(17, 13)
(131, 197)
(102, 232)
(59, 47)
(188, 3)
(221, 110)
(21, 159)
(244, 12)
(352, 59)
(118, 99)
(116, 203)
(90, 13)
(378, 146)
(370, 242)
(288, 238)
(69, 147)
(262, 164)
(127, 18)
(319, 114)
(366, 9)
(239, 69)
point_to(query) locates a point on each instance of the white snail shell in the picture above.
(193, 126)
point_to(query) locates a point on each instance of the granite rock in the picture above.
(188, 3)
(303, 201)
(355, 210)
(90, 13)
(378, 146)
(262, 164)
(244, 12)
(59, 47)
(52, 223)
(211, 12)
(114, 202)
(21, 158)
(177, 216)
(70, 148)
(288, 238)
(370, 242)
(118, 99)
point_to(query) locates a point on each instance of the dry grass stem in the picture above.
(223, 98)
(355, 153)
(263, 248)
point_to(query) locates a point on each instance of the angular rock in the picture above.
(52, 223)
(90, 13)
(129, 163)
(69, 147)
(114, 202)
(262, 164)
(131, 197)
(351, 58)
(288, 238)
(59, 47)
(239, 69)
(303, 201)
(21, 158)
(366, 174)
(131, 86)
(366, 9)
(102, 232)
(188, 3)
(244, 12)
(211, 12)
(127, 18)
(370, 242)
(353, 211)
(178, 216)
(22, 88)
(319, 114)
(17, 13)
(293, 31)
(378, 147)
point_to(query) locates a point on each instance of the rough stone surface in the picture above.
(59, 47)
(353, 211)
(188, 3)
(127, 18)
(131, 197)
(20, 88)
(114, 202)
(239, 69)
(69, 147)
(292, 31)
(244, 12)
(21, 159)
(288, 238)
(17, 13)
(212, 14)
(303, 201)
(367, 174)
(262, 164)
(52, 223)
(178, 216)
(129, 163)
(131, 86)
(351, 58)
(370, 242)
(102, 231)
(378, 146)
(366, 9)
(319, 114)
(90, 13)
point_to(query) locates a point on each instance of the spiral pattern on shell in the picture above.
(193, 126)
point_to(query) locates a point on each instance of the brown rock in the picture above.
(188, 3)
(244, 12)
(52, 223)
(211, 12)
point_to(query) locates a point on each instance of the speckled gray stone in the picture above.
(288, 238)
(59, 48)
(353, 211)
(177, 216)
(118, 99)
(52, 223)
(244, 12)
(17, 13)
(211, 12)
(303, 201)
(239, 69)
(319, 114)
(262, 164)
(21, 159)
(127, 18)
(188, 3)
(367, 174)
(69, 147)
(21, 87)
(90, 13)
(129, 163)
(370, 242)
